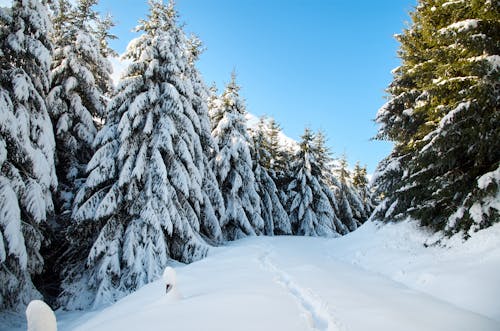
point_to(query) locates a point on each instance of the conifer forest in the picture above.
(104, 183)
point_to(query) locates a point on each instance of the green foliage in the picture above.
(443, 115)
(359, 179)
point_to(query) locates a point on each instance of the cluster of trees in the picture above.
(101, 186)
(444, 118)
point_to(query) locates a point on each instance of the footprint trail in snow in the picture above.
(314, 308)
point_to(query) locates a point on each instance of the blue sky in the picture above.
(317, 63)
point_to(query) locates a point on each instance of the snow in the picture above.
(485, 180)
(449, 3)
(444, 123)
(462, 26)
(40, 317)
(392, 165)
(493, 60)
(376, 278)
(170, 281)
(10, 224)
(476, 212)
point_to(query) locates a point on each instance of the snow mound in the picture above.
(463, 273)
(40, 317)
(170, 279)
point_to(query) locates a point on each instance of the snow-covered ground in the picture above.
(377, 278)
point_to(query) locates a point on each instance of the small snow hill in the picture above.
(376, 278)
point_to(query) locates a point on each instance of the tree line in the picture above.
(101, 185)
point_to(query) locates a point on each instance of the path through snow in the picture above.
(314, 308)
(373, 279)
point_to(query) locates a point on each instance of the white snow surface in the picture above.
(40, 317)
(375, 278)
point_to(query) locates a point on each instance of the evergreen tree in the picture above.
(278, 157)
(80, 84)
(359, 179)
(362, 187)
(275, 218)
(443, 116)
(233, 166)
(213, 203)
(351, 209)
(143, 194)
(311, 202)
(26, 150)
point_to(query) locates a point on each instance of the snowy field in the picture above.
(372, 279)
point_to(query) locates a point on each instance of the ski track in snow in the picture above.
(314, 308)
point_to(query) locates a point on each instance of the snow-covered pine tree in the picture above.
(311, 202)
(362, 187)
(233, 165)
(351, 209)
(443, 116)
(213, 203)
(26, 149)
(144, 189)
(81, 84)
(280, 155)
(273, 213)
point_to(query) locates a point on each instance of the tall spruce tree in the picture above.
(351, 209)
(443, 116)
(233, 165)
(311, 202)
(280, 155)
(26, 149)
(213, 203)
(273, 213)
(81, 84)
(363, 188)
(143, 194)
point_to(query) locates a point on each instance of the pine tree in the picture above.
(311, 202)
(351, 210)
(233, 166)
(273, 213)
(213, 203)
(443, 115)
(362, 187)
(359, 179)
(280, 155)
(143, 193)
(80, 84)
(26, 150)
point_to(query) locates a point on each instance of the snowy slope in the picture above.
(376, 278)
(372, 279)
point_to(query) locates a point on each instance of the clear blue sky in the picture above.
(319, 63)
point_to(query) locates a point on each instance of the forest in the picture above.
(102, 185)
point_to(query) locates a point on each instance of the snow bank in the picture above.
(462, 273)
